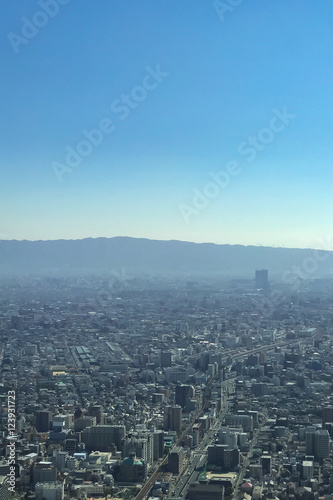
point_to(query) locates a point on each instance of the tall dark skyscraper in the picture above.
(261, 279)
(43, 419)
(183, 393)
(173, 418)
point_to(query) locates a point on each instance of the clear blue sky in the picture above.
(223, 80)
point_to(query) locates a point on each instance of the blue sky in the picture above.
(221, 79)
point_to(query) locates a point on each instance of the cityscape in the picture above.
(166, 249)
(166, 388)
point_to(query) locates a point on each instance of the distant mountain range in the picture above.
(153, 257)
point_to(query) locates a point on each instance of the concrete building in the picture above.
(327, 414)
(317, 442)
(222, 455)
(103, 437)
(84, 422)
(158, 444)
(183, 394)
(261, 279)
(145, 448)
(322, 444)
(60, 459)
(176, 460)
(206, 491)
(132, 470)
(239, 420)
(43, 420)
(44, 472)
(97, 412)
(49, 491)
(266, 464)
(165, 359)
(307, 470)
(173, 418)
(228, 437)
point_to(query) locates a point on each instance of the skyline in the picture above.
(167, 122)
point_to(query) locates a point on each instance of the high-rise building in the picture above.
(176, 460)
(183, 394)
(231, 458)
(221, 454)
(307, 470)
(204, 360)
(60, 458)
(103, 437)
(327, 414)
(145, 449)
(309, 440)
(132, 470)
(261, 279)
(240, 420)
(228, 437)
(44, 472)
(158, 438)
(329, 427)
(266, 464)
(166, 359)
(83, 422)
(96, 411)
(49, 491)
(43, 420)
(173, 418)
(317, 442)
(322, 444)
(215, 453)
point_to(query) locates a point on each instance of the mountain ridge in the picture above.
(142, 255)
